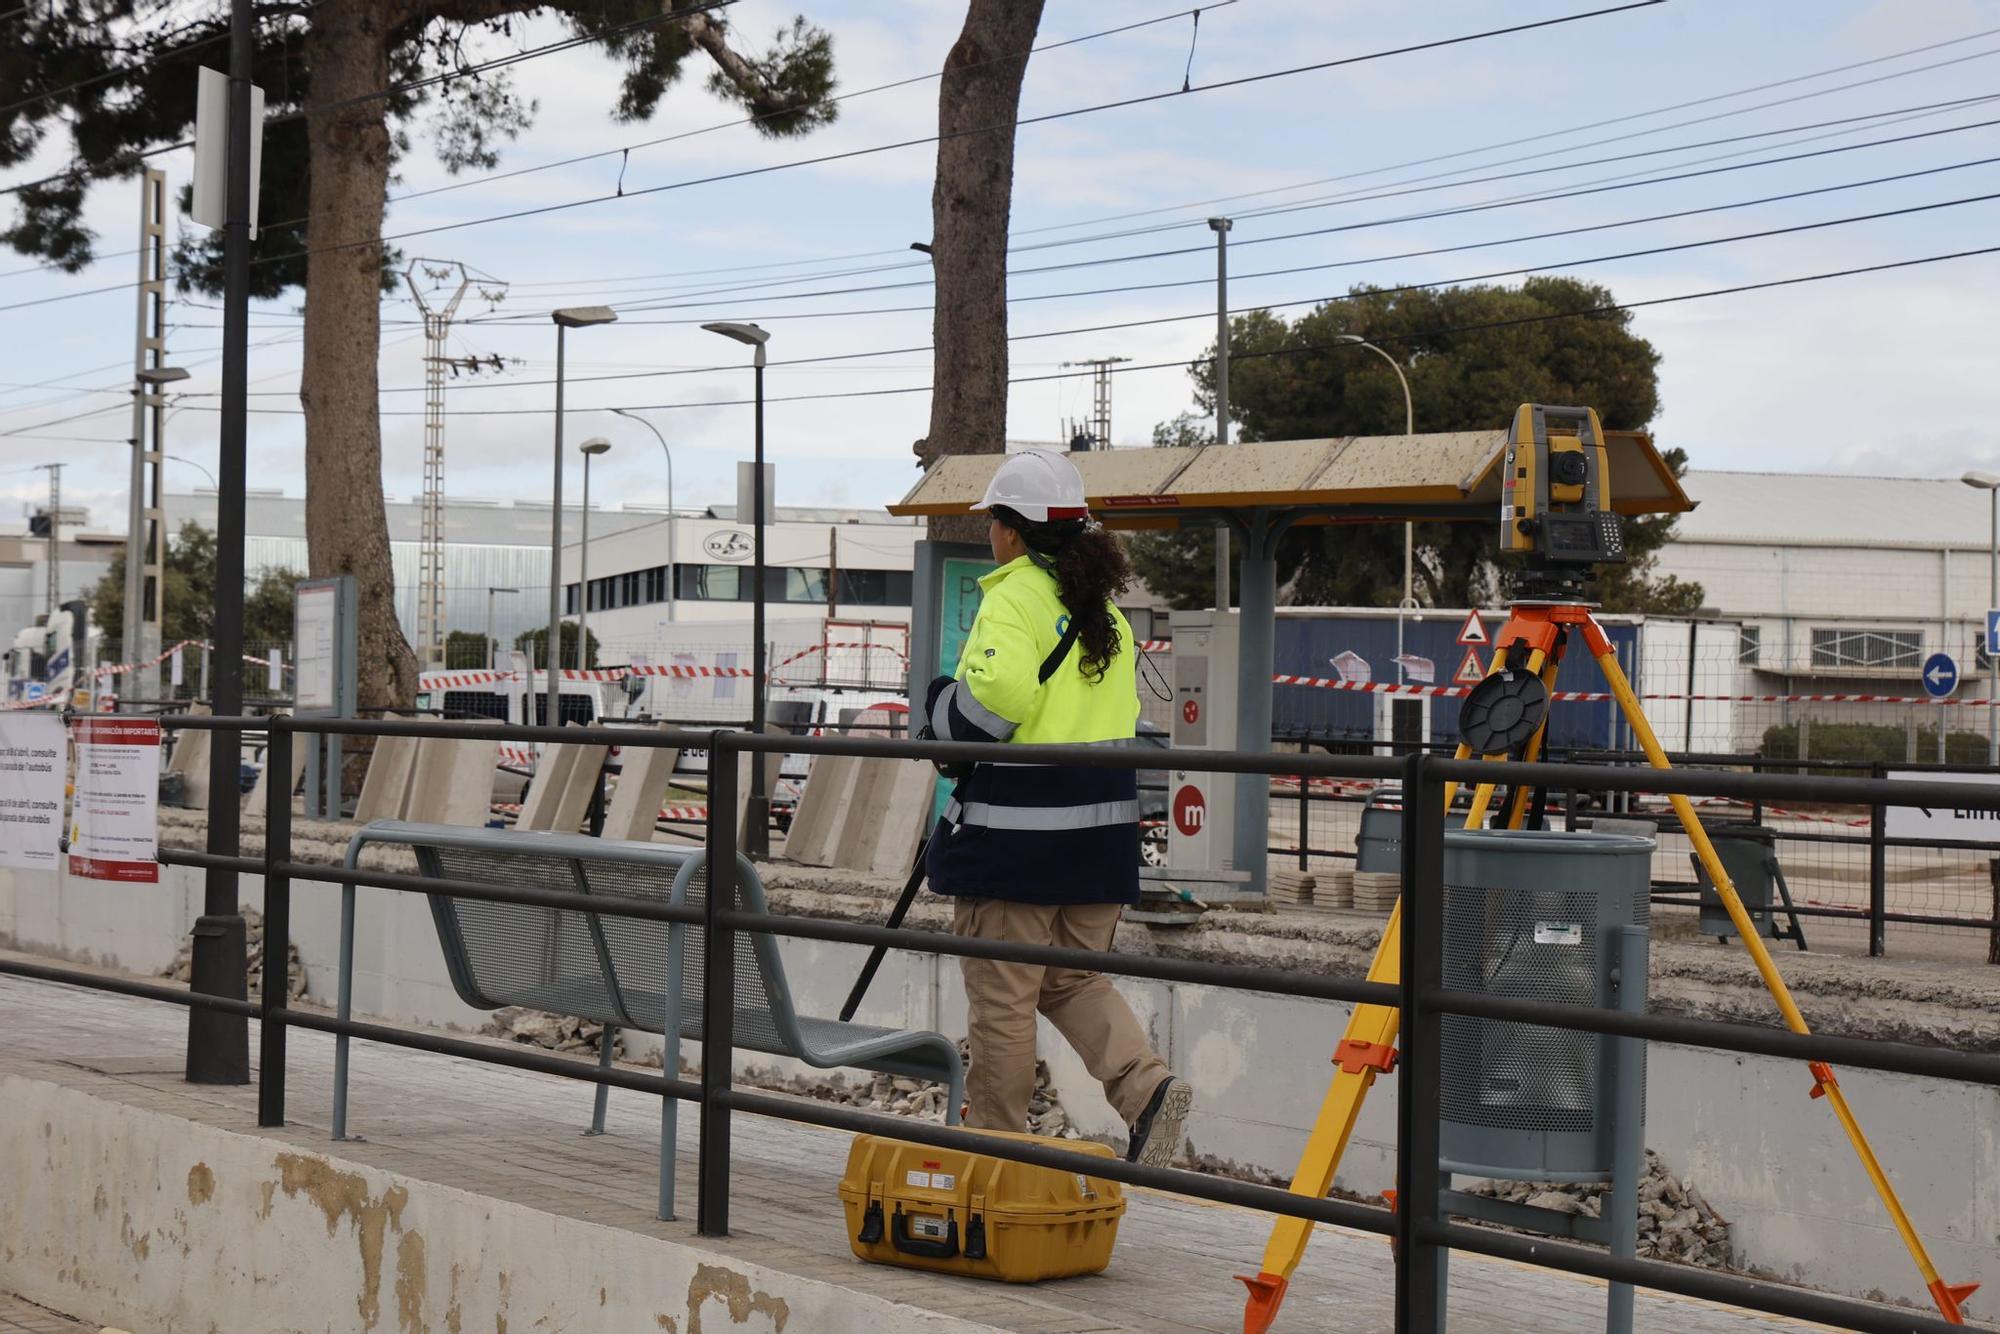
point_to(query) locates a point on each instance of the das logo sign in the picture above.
(1190, 810)
(727, 545)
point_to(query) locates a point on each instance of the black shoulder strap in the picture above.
(1063, 646)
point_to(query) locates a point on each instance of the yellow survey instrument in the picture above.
(1506, 716)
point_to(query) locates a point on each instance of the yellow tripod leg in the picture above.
(1948, 1297)
(1366, 1050)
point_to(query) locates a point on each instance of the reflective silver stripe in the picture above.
(1092, 816)
(981, 717)
(952, 811)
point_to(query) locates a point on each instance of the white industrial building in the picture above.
(1842, 585)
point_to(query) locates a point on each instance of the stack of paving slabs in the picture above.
(1376, 891)
(1335, 888)
(1291, 888)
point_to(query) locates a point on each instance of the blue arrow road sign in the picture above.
(1993, 632)
(1940, 675)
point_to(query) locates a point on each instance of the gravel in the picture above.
(1675, 1222)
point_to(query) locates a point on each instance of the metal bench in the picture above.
(622, 972)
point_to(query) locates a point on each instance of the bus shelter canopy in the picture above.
(1450, 476)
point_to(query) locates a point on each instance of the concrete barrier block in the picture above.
(451, 782)
(258, 799)
(823, 807)
(643, 780)
(560, 791)
(385, 790)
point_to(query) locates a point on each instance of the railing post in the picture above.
(1420, 1264)
(718, 989)
(1878, 871)
(271, 1028)
(1305, 821)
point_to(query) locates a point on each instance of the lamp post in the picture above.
(1990, 484)
(590, 449)
(145, 394)
(491, 646)
(1409, 601)
(573, 317)
(673, 521)
(756, 812)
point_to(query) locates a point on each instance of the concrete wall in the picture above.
(1769, 1159)
(95, 1196)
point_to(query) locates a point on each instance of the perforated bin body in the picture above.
(1537, 916)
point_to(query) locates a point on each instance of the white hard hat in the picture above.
(1040, 486)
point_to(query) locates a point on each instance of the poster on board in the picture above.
(31, 790)
(114, 819)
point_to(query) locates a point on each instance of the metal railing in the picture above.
(1422, 1230)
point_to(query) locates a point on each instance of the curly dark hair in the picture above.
(1091, 570)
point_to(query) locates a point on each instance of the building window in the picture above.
(715, 583)
(1866, 649)
(656, 584)
(875, 588)
(628, 589)
(1749, 639)
(569, 599)
(795, 585)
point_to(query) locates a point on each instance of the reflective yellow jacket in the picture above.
(1021, 620)
(1055, 833)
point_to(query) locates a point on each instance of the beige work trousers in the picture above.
(1004, 997)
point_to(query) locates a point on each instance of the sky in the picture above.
(1886, 372)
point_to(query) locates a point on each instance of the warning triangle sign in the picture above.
(1470, 672)
(1474, 629)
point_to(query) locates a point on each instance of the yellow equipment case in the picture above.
(956, 1212)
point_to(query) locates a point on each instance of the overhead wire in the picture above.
(1456, 210)
(1939, 108)
(1646, 252)
(1921, 69)
(1010, 125)
(491, 177)
(1234, 356)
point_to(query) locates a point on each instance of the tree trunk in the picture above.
(970, 204)
(347, 527)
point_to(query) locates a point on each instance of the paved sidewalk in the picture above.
(19, 1316)
(515, 1135)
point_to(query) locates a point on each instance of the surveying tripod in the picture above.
(1505, 716)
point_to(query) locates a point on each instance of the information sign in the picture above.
(1942, 821)
(31, 791)
(114, 818)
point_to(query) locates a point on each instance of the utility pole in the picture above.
(437, 310)
(54, 580)
(1100, 396)
(218, 1050)
(145, 519)
(1220, 226)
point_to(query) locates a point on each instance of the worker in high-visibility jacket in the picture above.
(1047, 854)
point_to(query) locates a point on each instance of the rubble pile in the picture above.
(253, 930)
(557, 1032)
(897, 1095)
(1675, 1222)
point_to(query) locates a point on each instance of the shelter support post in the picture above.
(1258, 598)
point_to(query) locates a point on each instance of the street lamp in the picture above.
(673, 522)
(756, 813)
(573, 317)
(590, 449)
(1990, 484)
(1409, 601)
(492, 646)
(145, 394)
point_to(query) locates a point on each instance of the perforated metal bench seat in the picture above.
(624, 972)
